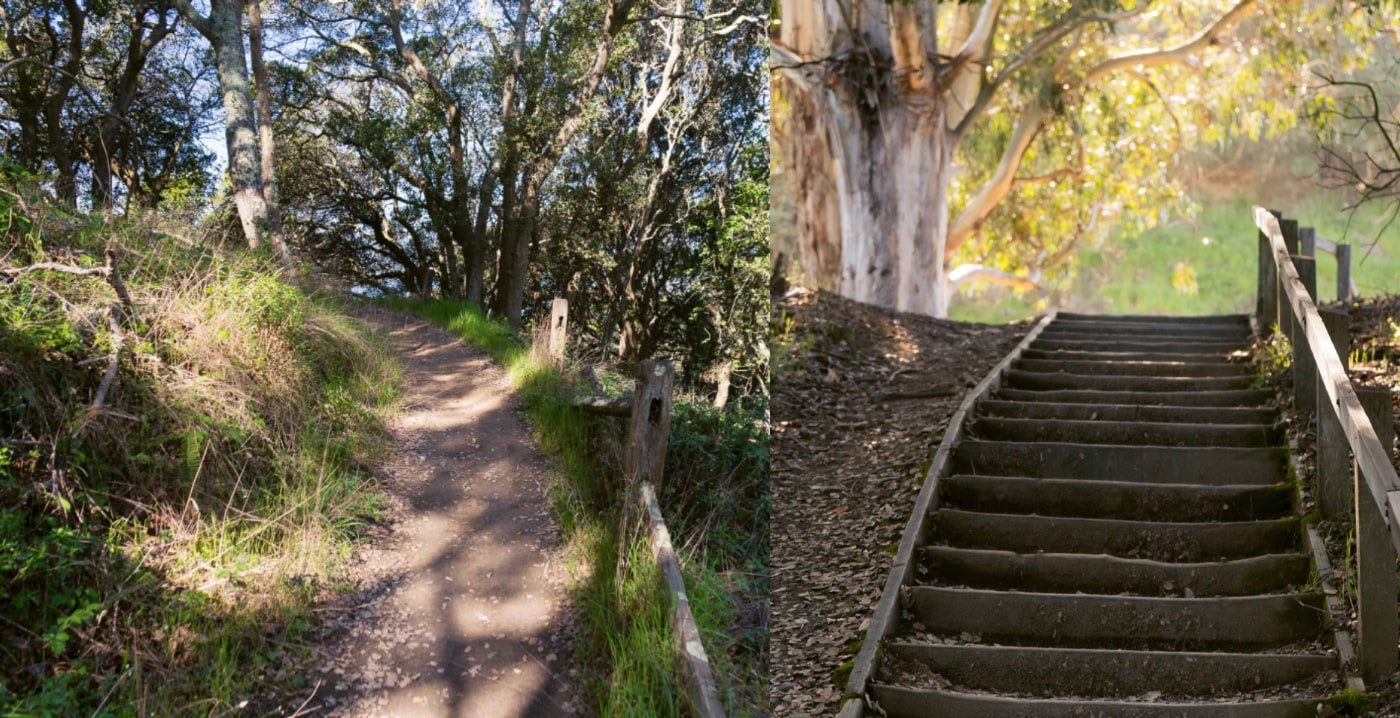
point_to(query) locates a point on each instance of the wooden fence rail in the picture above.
(1367, 490)
(644, 462)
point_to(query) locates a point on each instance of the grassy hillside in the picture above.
(181, 474)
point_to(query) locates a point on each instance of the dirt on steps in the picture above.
(861, 398)
(463, 610)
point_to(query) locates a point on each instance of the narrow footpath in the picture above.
(464, 611)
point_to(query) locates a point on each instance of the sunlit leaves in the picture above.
(1108, 157)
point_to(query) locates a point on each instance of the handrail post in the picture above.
(1343, 271)
(558, 328)
(1375, 559)
(651, 422)
(1268, 292)
(1334, 482)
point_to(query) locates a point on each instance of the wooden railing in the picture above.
(1355, 478)
(648, 411)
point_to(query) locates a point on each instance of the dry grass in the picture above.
(162, 546)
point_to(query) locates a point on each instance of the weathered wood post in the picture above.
(1375, 557)
(1344, 271)
(1287, 322)
(558, 328)
(651, 423)
(1334, 480)
(646, 462)
(1304, 363)
(1267, 307)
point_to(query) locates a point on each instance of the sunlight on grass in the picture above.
(1143, 274)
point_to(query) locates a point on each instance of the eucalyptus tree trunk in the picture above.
(223, 28)
(875, 156)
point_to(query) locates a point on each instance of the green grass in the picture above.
(207, 508)
(1133, 274)
(716, 504)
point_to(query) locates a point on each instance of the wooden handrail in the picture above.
(1321, 377)
(1373, 459)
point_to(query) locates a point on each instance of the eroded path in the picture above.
(464, 611)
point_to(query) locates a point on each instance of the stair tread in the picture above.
(1096, 673)
(1105, 574)
(1139, 622)
(1109, 499)
(898, 702)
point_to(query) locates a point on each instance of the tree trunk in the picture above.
(883, 154)
(223, 28)
(268, 146)
(891, 185)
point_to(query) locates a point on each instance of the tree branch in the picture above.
(1003, 179)
(1178, 54)
(965, 273)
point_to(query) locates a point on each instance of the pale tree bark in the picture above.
(875, 125)
(223, 28)
(267, 144)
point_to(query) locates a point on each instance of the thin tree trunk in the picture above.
(266, 141)
(223, 28)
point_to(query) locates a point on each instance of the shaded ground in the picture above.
(463, 611)
(861, 397)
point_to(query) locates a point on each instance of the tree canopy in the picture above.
(1060, 120)
(609, 151)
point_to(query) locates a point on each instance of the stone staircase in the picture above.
(1116, 536)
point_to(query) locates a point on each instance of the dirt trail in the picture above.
(464, 611)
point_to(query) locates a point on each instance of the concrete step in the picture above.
(1211, 319)
(1167, 541)
(1152, 340)
(1132, 501)
(1095, 343)
(1125, 412)
(1126, 433)
(1228, 399)
(1201, 332)
(900, 702)
(1037, 381)
(1102, 574)
(1222, 357)
(1134, 368)
(1049, 672)
(1218, 466)
(1136, 622)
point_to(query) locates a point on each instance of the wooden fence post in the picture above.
(651, 423)
(1267, 306)
(1306, 261)
(1344, 271)
(1334, 480)
(558, 328)
(1375, 557)
(1287, 322)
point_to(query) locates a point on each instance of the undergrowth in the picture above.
(715, 498)
(163, 539)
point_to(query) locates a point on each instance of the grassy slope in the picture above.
(1133, 274)
(205, 509)
(716, 504)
